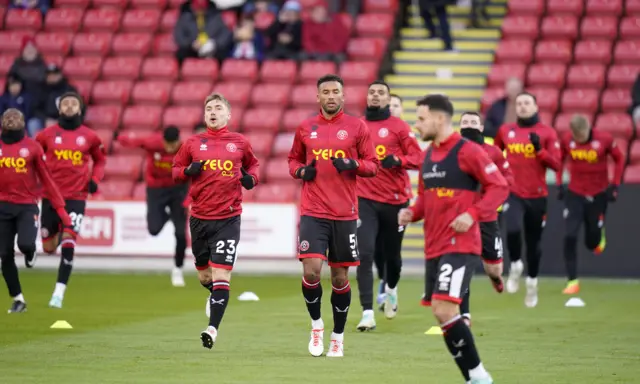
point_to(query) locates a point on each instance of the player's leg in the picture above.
(465, 307)
(492, 253)
(178, 215)
(343, 253)
(27, 230)
(574, 212)
(595, 212)
(513, 212)
(158, 201)
(49, 228)
(453, 279)
(313, 243)
(201, 252)
(391, 238)
(8, 231)
(379, 262)
(367, 234)
(534, 221)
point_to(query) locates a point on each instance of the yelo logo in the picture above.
(588, 155)
(18, 163)
(526, 150)
(68, 155)
(327, 154)
(443, 193)
(381, 151)
(164, 165)
(226, 167)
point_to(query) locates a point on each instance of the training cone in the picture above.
(434, 331)
(61, 324)
(248, 296)
(575, 302)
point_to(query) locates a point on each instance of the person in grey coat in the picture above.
(201, 32)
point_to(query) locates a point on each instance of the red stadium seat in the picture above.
(356, 100)
(198, 69)
(284, 192)
(141, 20)
(500, 73)
(264, 20)
(546, 75)
(277, 169)
(3, 12)
(359, 72)
(54, 43)
(164, 45)
(270, 95)
(262, 119)
(28, 19)
(621, 75)
(102, 20)
(238, 94)
(115, 189)
(516, 51)
(132, 44)
(548, 99)
(11, 41)
(563, 121)
(293, 117)
(630, 27)
(278, 71)
(283, 142)
(106, 137)
(565, 7)
(560, 27)
(169, 19)
(127, 167)
(244, 70)
(627, 52)
(190, 92)
(380, 6)
(63, 19)
(602, 27)
(634, 153)
(309, 70)
(618, 124)
(559, 51)
(160, 68)
(6, 61)
(363, 48)
(175, 3)
(139, 192)
(103, 117)
(142, 118)
(261, 142)
(116, 4)
(82, 67)
(580, 100)
(546, 117)
(632, 7)
(489, 96)
(347, 21)
(632, 174)
(520, 27)
(84, 88)
(111, 92)
(593, 51)
(230, 19)
(375, 25)
(97, 44)
(236, 118)
(151, 92)
(586, 76)
(185, 118)
(250, 196)
(148, 4)
(304, 96)
(117, 68)
(615, 100)
(526, 7)
(76, 4)
(604, 7)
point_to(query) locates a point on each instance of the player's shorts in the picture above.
(50, 224)
(448, 277)
(214, 242)
(492, 251)
(332, 240)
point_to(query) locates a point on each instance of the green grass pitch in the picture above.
(138, 329)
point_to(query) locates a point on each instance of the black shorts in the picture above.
(19, 220)
(50, 224)
(492, 251)
(448, 277)
(214, 242)
(589, 210)
(332, 240)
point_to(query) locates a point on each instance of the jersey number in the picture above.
(230, 247)
(498, 247)
(353, 244)
(450, 280)
(76, 221)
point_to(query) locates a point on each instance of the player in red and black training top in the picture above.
(329, 150)
(69, 148)
(453, 171)
(22, 171)
(531, 148)
(380, 199)
(165, 197)
(587, 152)
(218, 163)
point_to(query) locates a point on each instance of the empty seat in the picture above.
(593, 51)
(198, 69)
(278, 192)
(115, 68)
(489, 96)
(380, 6)
(244, 70)
(634, 153)
(277, 169)
(160, 68)
(357, 99)
(236, 118)
(630, 27)
(292, 118)
(586, 76)
(106, 137)
(75, 4)
(164, 45)
(262, 119)
(365, 48)
(602, 27)
(560, 51)
(560, 27)
(616, 100)
(526, 7)
(151, 92)
(632, 7)
(283, 142)
(63, 19)
(168, 20)
(261, 143)
(190, 92)
(546, 74)
(309, 70)
(103, 117)
(304, 96)
(580, 100)
(11, 41)
(123, 167)
(131, 44)
(562, 122)
(115, 189)
(565, 7)
(548, 99)
(619, 124)
(546, 117)
(141, 20)
(148, 4)
(111, 92)
(622, 75)
(604, 7)
(6, 61)
(142, 118)
(520, 27)
(357, 72)
(54, 42)
(102, 20)
(627, 52)
(98, 44)
(185, 118)
(270, 95)
(517, 51)
(375, 25)
(278, 71)
(84, 88)
(139, 192)
(238, 94)
(502, 72)
(29, 19)
(82, 67)
(632, 174)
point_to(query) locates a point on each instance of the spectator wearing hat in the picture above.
(46, 103)
(285, 34)
(324, 37)
(30, 67)
(16, 96)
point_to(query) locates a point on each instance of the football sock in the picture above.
(457, 357)
(218, 302)
(208, 286)
(364, 274)
(571, 257)
(312, 292)
(514, 244)
(10, 274)
(66, 261)
(393, 275)
(464, 305)
(340, 302)
(458, 337)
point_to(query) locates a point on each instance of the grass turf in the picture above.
(138, 329)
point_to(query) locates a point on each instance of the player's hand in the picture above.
(561, 192)
(193, 169)
(462, 223)
(535, 140)
(344, 164)
(391, 161)
(247, 181)
(93, 187)
(308, 172)
(405, 216)
(612, 193)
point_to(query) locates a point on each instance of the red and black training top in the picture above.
(501, 162)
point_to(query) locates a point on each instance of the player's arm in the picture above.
(181, 161)
(55, 197)
(497, 141)
(549, 155)
(618, 158)
(417, 209)
(297, 155)
(133, 141)
(41, 138)
(563, 158)
(503, 165)
(250, 162)
(411, 151)
(367, 159)
(99, 159)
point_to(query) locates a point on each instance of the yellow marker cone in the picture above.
(434, 331)
(61, 324)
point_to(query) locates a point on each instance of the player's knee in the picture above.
(311, 275)
(49, 246)
(592, 240)
(339, 281)
(444, 310)
(221, 274)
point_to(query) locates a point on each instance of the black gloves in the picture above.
(561, 192)
(391, 161)
(612, 193)
(247, 180)
(309, 171)
(344, 164)
(193, 169)
(93, 187)
(535, 140)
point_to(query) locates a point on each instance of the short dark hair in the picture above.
(328, 78)
(472, 113)
(396, 96)
(171, 134)
(380, 82)
(437, 102)
(535, 100)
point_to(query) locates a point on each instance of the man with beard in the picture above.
(22, 172)
(69, 147)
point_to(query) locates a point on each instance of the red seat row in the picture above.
(563, 51)
(571, 26)
(591, 7)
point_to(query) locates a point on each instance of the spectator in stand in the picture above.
(46, 101)
(352, 7)
(324, 37)
(634, 110)
(260, 6)
(438, 7)
(285, 34)
(503, 110)
(15, 96)
(30, 67)
(42, 5)
(201, 32)
(248, 42)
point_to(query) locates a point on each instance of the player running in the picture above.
(218, 163)
(452, 172)
(587, 151)
(22, 171)
(69, 148)
(329, 150)
(165, 197)
(380, 199)
(395, 105)
(531, 148)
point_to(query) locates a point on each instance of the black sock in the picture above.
(208, 286)
(312, 292)
(364, 275)
(218, 302)
(457, 357)
(514, 244)
(458, 337)
(181, 245)
(340, 302)
(393, 272)
(464, 305)
(571, 257)
(66, 261)
(10, 274)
